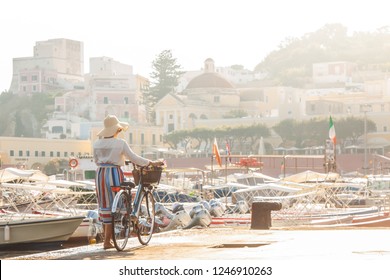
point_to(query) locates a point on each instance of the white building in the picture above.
(110, 88)
(114, 89)
(333, 72)
(56, 64)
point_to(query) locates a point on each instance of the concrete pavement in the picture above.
(242, 243)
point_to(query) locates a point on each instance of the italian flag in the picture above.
(332, 131)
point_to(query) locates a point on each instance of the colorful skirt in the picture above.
(107, 176)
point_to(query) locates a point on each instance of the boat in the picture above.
(26, 196)
(37, 229)
(82, 168)
(231, 221)
(371, 217)
(379, 222)
(269, 190)
(89, 228)
(375, 223)
(332, 221)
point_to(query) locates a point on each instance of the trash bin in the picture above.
(261, 214)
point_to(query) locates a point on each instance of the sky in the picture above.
(134, 32)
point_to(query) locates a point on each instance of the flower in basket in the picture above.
(151, 174)
(155, 168)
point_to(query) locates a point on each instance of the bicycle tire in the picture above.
(121, 225)
(146, 218)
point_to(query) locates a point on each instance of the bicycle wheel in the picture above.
(121, 225)
(146, 218)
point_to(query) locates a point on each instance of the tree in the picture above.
(164, 78)
(23, 115)
(175, 137)
(286, 130)
(55, 166)
(314, 132)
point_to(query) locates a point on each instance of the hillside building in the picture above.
(56, 64)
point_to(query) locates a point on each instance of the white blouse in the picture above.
(115, 151)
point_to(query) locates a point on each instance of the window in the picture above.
(58, 154)
(130, 138)
(43, 153)
(34, 78)
(24, 78)
(57, 129)
(20, 153)
(65, 154)
(27, 153)
(34, 88)
(51, 154)
(126, 100)
(12, 153)
(105, 100)
(216, 99)
(89, 174)
(154, 139)
(36, 153)
(142, 138)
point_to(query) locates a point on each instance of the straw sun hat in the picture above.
(111, 126)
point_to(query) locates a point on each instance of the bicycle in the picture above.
(139, 217)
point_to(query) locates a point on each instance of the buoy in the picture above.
(92, 241)
(6, 233)
(73, 163)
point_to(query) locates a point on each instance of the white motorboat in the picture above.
(37, 229)
(30, 199)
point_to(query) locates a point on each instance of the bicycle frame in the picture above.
(131, 214)
(135, 204)
(115, 201)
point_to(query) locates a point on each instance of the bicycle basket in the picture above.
(149, 176)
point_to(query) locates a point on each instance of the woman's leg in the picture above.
(107, 177)
(107, 236)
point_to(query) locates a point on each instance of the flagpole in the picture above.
(334, 158)
(226, 170)
(212, 172)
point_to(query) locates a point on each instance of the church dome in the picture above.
(209, 79)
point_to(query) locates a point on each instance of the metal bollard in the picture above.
(261, 214)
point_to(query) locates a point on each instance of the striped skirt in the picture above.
(107, 176)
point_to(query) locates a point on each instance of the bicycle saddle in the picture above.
(128, 184)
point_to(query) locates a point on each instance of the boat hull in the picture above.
(39, 230)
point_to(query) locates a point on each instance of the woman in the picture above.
(110, 153)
